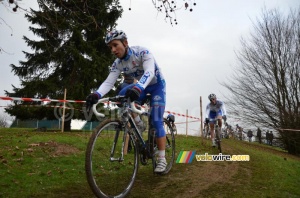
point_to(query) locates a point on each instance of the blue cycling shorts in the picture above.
(157, 103)
(213, 115)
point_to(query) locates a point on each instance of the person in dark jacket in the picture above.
(258, 134)
(250, 134)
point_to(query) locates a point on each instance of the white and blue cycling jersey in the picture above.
(140, 64)
(215, 110)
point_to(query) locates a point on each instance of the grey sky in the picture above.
(194, 55)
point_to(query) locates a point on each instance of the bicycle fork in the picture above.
(112, 152)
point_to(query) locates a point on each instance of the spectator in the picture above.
(258, 134)
(250, 134)
(271, 138)
(268, 137)
(239, 131)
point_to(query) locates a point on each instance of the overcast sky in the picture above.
(195, 55)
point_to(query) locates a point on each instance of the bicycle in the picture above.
(172, 125)
(111, 171)
(217, 135)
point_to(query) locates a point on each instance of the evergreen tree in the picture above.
(71, 54)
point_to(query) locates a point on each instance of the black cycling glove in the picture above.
(133, 93)
(91, 100)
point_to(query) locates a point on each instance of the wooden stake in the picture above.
(187, 115)
(201, 122)
(64, 110)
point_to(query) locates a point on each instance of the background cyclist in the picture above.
(214, 110)
(139, 63)
(171, 119)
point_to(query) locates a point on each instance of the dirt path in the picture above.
(197, 179)
(207, 179)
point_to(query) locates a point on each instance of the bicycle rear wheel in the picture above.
(107, 173)
(170, 146)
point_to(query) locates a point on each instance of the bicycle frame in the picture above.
(128, 119)
(217, 131)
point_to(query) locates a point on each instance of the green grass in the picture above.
(274, 173)
(40, 171)
(45, 171)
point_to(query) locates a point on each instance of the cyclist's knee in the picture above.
(160, 131)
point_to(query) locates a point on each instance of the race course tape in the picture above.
(169, 112)
(40, 100)
(74, 101)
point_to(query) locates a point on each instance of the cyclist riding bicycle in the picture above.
(171, 119)
(214, 110)
(139, 63)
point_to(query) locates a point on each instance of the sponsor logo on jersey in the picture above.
(144, 78)
(147, 74)
(157, 97)
(125, 69)
(144, 52)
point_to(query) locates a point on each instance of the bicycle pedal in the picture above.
(143, 159)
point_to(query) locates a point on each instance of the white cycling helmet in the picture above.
(212, 96)
(115, 35)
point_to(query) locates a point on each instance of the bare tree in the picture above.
(12, 6)
(169, 8)
(8, 3)
(265, 88)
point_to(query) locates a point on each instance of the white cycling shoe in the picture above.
(161, 166)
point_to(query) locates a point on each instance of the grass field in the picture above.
(51, 164)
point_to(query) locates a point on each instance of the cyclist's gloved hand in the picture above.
(206, 120)
(224, 118)
(91, 100)
(133, 93)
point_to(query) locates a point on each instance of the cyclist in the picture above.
(171, 119)
(214, 110)
(139, 63)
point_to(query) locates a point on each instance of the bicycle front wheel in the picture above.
(218, 139)
(109, 172)
(206, 132)
(170, 146)
(175, 129)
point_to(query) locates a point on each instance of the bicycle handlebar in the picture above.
(95, 105)
(132, 105)
(134, 109)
